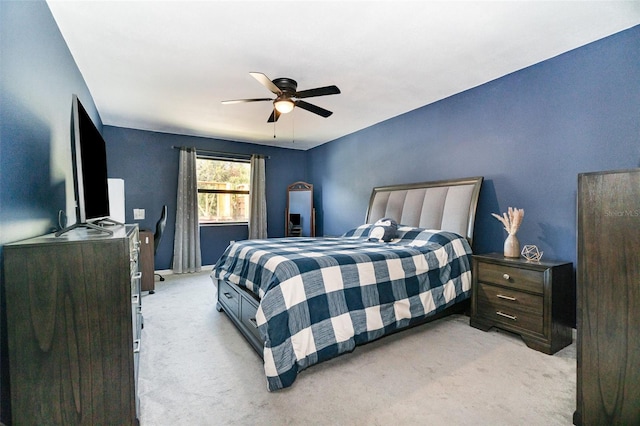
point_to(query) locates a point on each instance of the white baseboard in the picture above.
(165, 272)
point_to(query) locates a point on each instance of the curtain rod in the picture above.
(222, 153)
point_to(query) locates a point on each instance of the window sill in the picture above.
(214, 224)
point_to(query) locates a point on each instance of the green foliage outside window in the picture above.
(223, 190)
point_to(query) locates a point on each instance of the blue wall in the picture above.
(149, 166)
(529, 134)
(37, 78)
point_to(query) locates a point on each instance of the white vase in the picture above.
(511, 246)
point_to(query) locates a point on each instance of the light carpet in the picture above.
(196, 369)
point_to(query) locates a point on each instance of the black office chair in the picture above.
(160, 225)
(295, 226)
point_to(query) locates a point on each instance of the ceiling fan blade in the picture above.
(240, 101)
(314, 108)
(274, 116)
(266, 82)
(319, 91)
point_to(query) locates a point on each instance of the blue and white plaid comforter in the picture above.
(320, 297)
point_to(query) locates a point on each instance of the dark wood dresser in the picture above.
(608, 382)
(73, 320)
(147, 261)
(527, 298)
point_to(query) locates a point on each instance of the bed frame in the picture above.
(448, 205)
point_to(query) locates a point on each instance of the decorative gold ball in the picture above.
(531, 253)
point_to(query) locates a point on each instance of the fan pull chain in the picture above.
(274, 124)
(293, 128)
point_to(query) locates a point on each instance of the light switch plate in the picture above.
(138, 214)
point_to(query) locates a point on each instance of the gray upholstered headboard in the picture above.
(449, 205)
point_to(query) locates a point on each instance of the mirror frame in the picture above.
(301, 186)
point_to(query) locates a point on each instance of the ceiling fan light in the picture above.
(284, 105)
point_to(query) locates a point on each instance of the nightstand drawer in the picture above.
(505, 298)
(525, 321)
(517, 278)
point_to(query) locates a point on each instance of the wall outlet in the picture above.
(138, 214)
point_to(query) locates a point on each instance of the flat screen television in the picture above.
(89, 159)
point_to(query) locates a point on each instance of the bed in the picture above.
(300, 301)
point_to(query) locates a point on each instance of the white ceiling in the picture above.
(167, 65)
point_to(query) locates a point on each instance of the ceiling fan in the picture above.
(287, 96)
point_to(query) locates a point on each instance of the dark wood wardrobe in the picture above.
(608, 304)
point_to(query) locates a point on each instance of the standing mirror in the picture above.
(300, 214)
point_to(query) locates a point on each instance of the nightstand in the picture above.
(523, 297)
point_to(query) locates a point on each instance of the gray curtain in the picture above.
(258, 200)
(186, 245)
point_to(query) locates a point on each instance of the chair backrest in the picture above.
(294, 218)
(162, 222)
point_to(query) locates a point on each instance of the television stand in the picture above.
(90, 225)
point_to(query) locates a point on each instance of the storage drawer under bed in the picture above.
(248, 316)
(241, 307)
(229, 297)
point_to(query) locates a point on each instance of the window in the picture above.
(223, 190)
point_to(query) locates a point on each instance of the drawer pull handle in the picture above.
(506, 277)
(254, 322)
(511, 317)
(502, 296)
(136, 346)
(228, 295)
